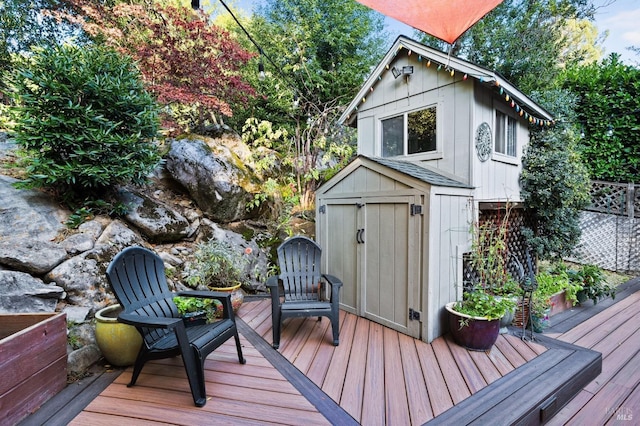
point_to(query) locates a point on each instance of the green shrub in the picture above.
(85, 121)
(217, 264)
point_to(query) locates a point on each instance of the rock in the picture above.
(29, 255)
(28, 213)
(221, 185)
(157, 221)
(81, 359)
(76, 314)
(83, 280)
(78, 243)
(20, 292)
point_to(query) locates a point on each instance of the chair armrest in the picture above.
(151, 322)
(333, 281)
(272, 282)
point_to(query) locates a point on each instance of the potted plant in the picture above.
(198, 311)
(218, 266)
(474, 322)
(593, 283)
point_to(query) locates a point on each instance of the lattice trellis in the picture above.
(516, 243)
(615, 198)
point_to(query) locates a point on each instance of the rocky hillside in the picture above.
(199, 193)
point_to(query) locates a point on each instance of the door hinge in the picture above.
(416, 209)
(322, 208)
(414, 315)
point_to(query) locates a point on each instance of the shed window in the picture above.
(419, 137)
(506, 134)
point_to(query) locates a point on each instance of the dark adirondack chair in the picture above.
(300, 289)
(137, 278)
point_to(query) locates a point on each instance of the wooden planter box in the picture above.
(559, 303)
(33, 362)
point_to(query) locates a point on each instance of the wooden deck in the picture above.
(378, 376)
(614, 396)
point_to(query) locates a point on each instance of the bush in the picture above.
(84, 120)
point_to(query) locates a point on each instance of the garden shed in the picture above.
(439, 138)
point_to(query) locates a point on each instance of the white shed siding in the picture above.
(496, 178)
(450, 217)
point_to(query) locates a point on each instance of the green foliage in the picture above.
(85, 121)
(489, 255)
(316, 56)
(608, 110)
(482, 304)
(524, 40)
(593, 283)
(552, 283)
(194, 305)
(554, 181)
(217, 264)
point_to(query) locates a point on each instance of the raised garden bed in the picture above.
(559, 303)
(33, 362)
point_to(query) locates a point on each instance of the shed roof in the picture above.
(439, 58)
(419, 172)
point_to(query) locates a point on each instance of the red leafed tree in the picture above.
(189, 63)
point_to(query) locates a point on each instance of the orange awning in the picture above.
(444, 19)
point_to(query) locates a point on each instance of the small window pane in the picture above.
(500, 132)
(511, 136)
(393, 136)
(422, 131)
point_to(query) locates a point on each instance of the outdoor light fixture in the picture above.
(195, 4)
(261, 74)
(406, 70)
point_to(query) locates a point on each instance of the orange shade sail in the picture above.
(444, 19)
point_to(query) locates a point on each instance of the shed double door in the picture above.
(372, 244)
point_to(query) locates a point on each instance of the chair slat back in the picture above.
(299, 260)
(137, 278)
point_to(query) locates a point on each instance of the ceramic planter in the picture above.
(118, 342)
(237, 296)
(473, 333)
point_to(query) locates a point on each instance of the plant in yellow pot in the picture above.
(218, 266)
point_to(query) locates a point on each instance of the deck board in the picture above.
(375, 376)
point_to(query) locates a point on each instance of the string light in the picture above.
(502, 91)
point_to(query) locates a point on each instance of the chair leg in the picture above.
(239, 349)
(275, 325)
(137, 368)
(335, 329)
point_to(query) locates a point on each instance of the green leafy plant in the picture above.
(85, 122)
(190, 305)
(592, 280)
(217, 264)
(479, 303)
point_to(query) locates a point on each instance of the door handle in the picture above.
(359, 236)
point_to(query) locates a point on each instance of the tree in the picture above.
(191, 65)
(554, 180)
(316, 54)
(608, 111)
(524, 40)
(85, 121)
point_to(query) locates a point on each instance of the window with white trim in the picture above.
(506, 130)
(409, 133)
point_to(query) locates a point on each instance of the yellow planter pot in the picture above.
(119, 343)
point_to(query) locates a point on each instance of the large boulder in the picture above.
(30, 255)
(156, 220)
(218, 180)
(28, 213)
